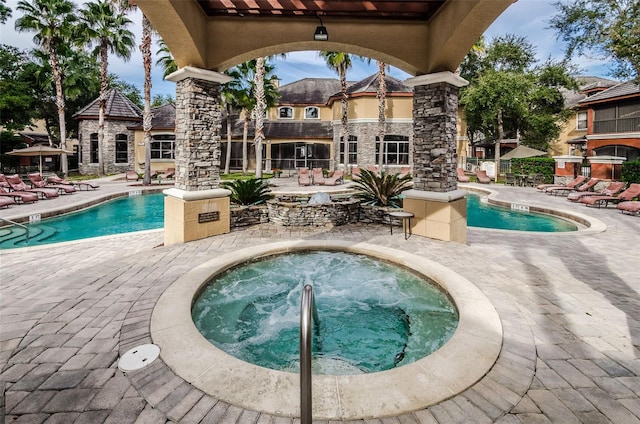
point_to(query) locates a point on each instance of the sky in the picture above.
(526, 18)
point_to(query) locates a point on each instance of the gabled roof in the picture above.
(118, 107)
(587, 86)
(162, 118)
(370, 85)
(308, 91)
(622, 90)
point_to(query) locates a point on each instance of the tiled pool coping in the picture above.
(460, 363)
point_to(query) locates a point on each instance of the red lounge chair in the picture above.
(18, 185)
(482, 177)
(612, 190)
(404, 171)
(632, 208)
(6, 201)
(86, 185)
(581, 188)
(304, 179)
(38, 182)
(629, 194)
(19, 196)
(318, 176)
(335, 179)
(462, 178)
(131, 176)
(576, 182)
(355, 173)
(374, 169)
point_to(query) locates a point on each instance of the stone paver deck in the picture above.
(569, 304)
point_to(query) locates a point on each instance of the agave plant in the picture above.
(383, 189)
(248, 192)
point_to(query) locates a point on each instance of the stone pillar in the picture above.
(196, 207)
(437, 204)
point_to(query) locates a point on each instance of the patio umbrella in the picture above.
(522, 152)
(38, 150)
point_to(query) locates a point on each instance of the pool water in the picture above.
(373, 316)
(122, 215)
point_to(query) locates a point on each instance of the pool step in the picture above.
(16, 236)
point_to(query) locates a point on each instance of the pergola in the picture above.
(426, 38)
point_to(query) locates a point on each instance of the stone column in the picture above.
(196, 207)
(438, 205)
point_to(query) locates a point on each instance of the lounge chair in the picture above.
(482, 177)
(304, 179)
(18, 185)
(6, 201)
(404, 171)
(19, 196)
(38, 182)
(582, 188)
(574, 183)
(462, 177)
(629, 207)
(355, 173)
(82, 185)
(611, 190)
(374, 169)
(335, 179)
(131, 176)
(318, 176)
(168, 174)
(632, 192)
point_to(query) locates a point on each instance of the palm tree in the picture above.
(381, 94)
(54, 22)
(231, 102)
(242, 88)
(340, 62)
(266, 96)
(107, 28)
(166, 61)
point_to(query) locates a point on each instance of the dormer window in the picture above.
(285, 113)
(311, 112)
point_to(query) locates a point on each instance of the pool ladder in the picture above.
(308, 313)
(26, 229)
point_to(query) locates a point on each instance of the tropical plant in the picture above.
(248, 192)
(381, 94)
(54, 22)
(105, 27)
(166, 60)
(266, 96)
(5, 12)
(17, 100)
(383, 189)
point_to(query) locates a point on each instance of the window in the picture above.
(162, 146)
(396, 150)
(352, 151)
(311, 112)
(93, 148)
(581, 123)
(122, 148)
(285, 113)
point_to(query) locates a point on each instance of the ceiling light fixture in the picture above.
(321, 33)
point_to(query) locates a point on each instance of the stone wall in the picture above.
(243, 216)
(435, 109)
(111, 129)
(317, 215)
(198, 124)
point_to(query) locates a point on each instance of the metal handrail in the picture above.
(308, 312)
(26, 229)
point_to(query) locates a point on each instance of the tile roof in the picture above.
(163, 118)
(308, 91)
(622, 89)
(586, 83)
(370, 85)
(284, 129)
(118, 107)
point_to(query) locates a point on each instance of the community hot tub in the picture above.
(459, 363)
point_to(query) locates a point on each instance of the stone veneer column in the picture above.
(196, 207)
(437, 204)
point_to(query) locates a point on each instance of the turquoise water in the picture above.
(146, 212)
(373, 316)
(122, 215)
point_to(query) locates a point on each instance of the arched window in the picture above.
(311, 112)
(122, 148)
(285, 113)
(93, 148)
(163, 146)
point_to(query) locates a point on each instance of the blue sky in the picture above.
(527, 18)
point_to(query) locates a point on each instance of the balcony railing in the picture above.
(616, 125)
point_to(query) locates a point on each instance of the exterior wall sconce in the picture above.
(321, 33)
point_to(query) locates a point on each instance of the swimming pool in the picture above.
(146, 212)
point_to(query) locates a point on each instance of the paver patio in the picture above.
(569, 304)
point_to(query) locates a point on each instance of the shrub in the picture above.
(631, 172)
(383, 189)
(544, 166)
(248, 192)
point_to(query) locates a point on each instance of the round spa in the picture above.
(405, 372)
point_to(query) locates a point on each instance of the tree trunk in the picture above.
(498, 143)
(259, 112)
(145, 49)
(103, 103)
(344, 120)
(57, 78)
(227, 162)
(382, 104)
(245, 136)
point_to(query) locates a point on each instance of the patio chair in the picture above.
(629, 207)
(38, 182)
(404, 171)
(482, 177)
(510, 179)
(304, 179)
(581, 188)
(318, 176)
(462, 177)
(5, 202)
(18, 185)
(86, 185)
(612, 190)
(374, 169)
(575, 182)
(632, 192)
(131, 176)
(168, 174)
(335, 179)
(355, 173)
(19, 196)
